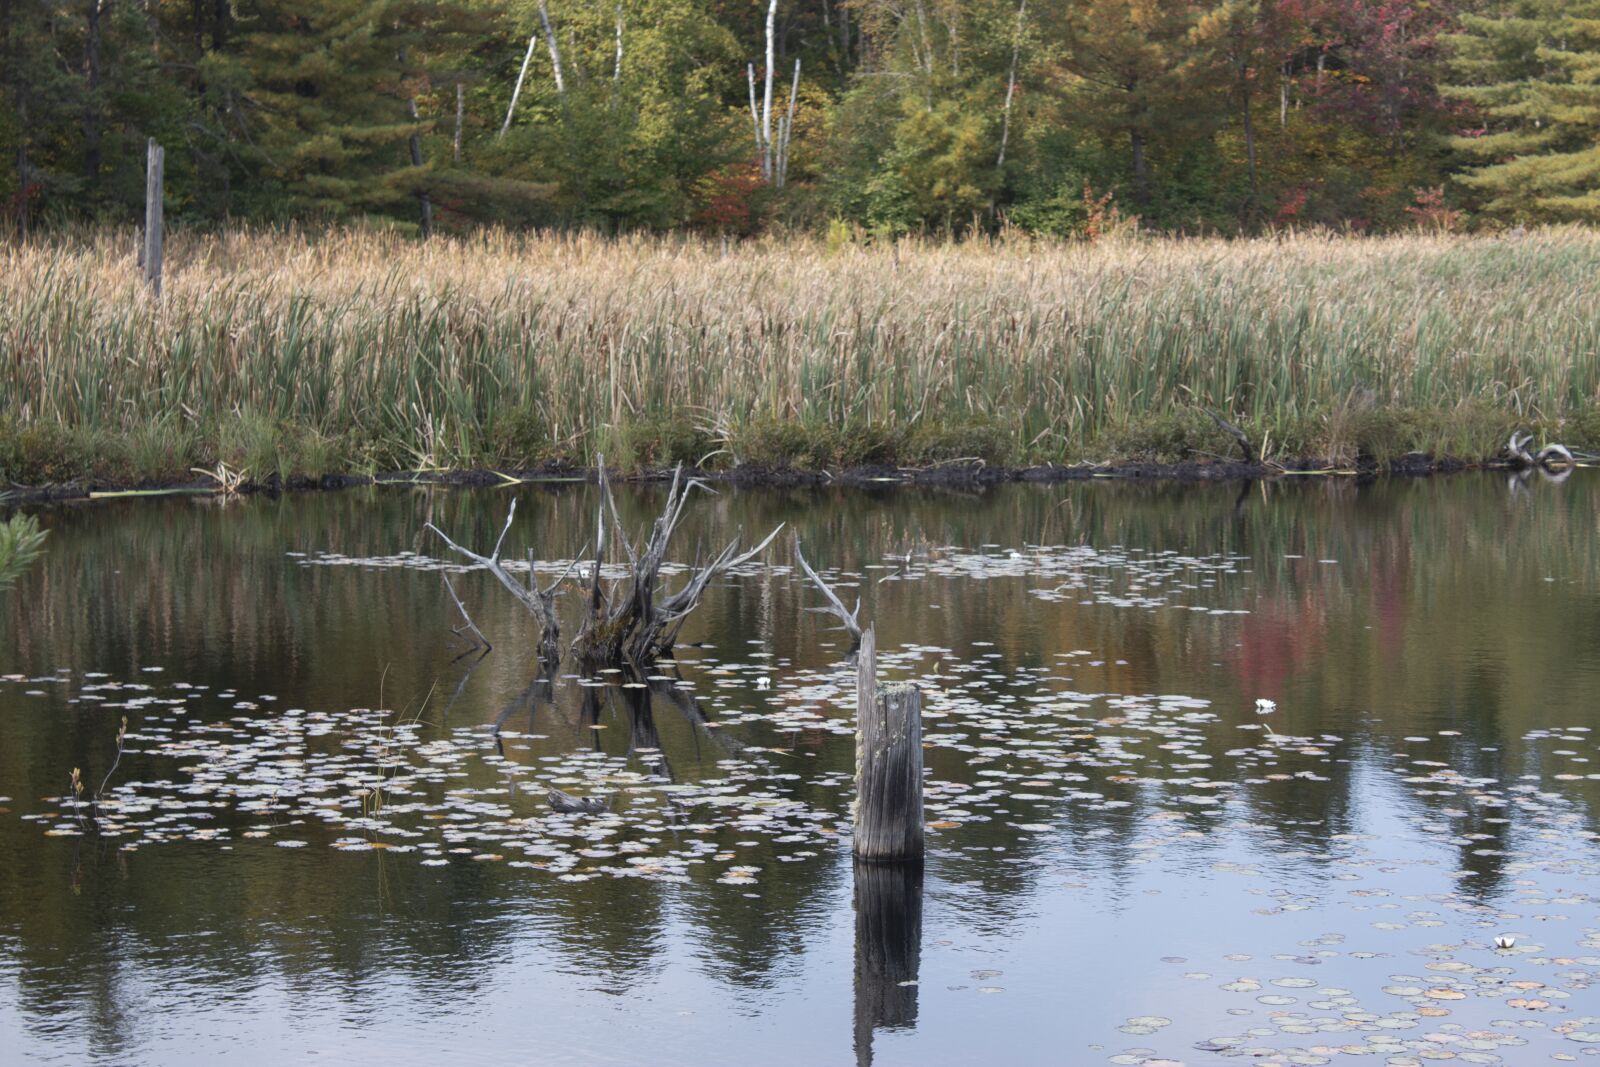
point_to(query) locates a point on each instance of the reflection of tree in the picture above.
(541, 690)
(1483, 832)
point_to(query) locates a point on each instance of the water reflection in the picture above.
(888, 909)
(1429, 644)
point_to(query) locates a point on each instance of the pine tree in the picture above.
(42, 103)
(1245, 40)
(340, 98)
(325, 100)
(1533, 72)
(1131, 70)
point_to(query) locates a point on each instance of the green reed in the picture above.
(504, 348)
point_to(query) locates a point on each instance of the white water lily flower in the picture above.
(1504, 940)
(1265, 706)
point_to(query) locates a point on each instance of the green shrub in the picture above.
(781, 443)
(1172, 437)
(654, 442)
(1582, 429)
(970, 437)
(47, 454)
(518, 438)
(867, 445)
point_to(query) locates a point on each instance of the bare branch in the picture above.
(471, 626)
(756, 551)
(540, 603)
(1237, 434)
(850, 618)
(492, 563)
(511, 513)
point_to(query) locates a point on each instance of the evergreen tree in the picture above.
(1244, 41)
(1131, 75)
(326, 100)
(1533, 72)
(43, 102)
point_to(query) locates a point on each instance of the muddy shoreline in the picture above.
(757, 477)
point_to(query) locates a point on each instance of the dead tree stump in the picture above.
(888, 822)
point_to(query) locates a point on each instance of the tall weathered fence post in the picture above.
(888, 824)
(151, 259)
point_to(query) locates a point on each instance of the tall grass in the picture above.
(21, 542)
(494, 348)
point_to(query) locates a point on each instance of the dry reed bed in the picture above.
(430, 344)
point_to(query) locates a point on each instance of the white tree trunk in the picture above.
(755, 110)
(616, 71)
(766, 107)
(533, 39)
(555, 49)
(461, 114)
(788, 127)
(1011, 86)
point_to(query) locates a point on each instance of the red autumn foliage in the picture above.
(727, 199)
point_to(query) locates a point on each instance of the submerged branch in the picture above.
(470, 626)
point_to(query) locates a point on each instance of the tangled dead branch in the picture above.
(631, 621)
(1552, 455)
(642, 625)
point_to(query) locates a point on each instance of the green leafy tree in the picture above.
(1130, 74)
(1533, 72)
(640, 118)
(921, 137)
(1243, 43)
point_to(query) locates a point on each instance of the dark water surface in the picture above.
(316, 850)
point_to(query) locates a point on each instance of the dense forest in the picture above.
(736, 116)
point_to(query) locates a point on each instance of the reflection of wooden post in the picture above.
(151, 259)
(888, 949)
(888, 824)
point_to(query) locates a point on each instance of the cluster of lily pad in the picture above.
(1040, 757)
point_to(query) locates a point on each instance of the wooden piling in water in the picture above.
(888, 821)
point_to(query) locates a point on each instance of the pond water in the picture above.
(327, 838)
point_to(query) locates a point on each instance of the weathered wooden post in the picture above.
(155, 159)
(888, 851)
(888, 823)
